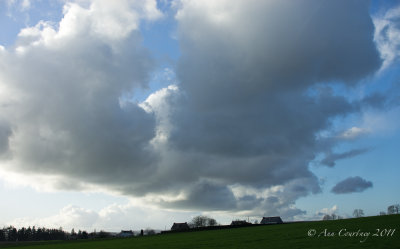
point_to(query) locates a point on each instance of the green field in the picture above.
(295, 235)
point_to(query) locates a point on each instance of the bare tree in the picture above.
(393, 209)
(149, 231)
(198, 221)
(332, 217)
(358, 213)
(382, 213)
(212, 222)
(202, 221)
(327, 217)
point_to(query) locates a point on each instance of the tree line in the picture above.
(39, 234)
(357, 213)
(12, 234)
(392, 209)
(31, 234)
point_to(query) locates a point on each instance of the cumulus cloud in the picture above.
(242, 96)
(62, 101)
(243, 116)
(237, 131)
(351, 185)
(325, 211)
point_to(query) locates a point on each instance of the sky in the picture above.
(135, 114)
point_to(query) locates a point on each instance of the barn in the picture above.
(271, 220)
(125, 234)
(179, 226)
(240, 223)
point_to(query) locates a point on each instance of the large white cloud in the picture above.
(61, 86)
(235, 134)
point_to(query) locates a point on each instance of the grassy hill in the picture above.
(369, 232)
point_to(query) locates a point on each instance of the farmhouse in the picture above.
(125, 234)
(271, 220)
(179, 226)
(239, 223)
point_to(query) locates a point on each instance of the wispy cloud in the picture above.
(387, 36)
(331, 158)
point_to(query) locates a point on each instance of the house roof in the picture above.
(180, 226)
(239, 223)
(125, 233)
(269, 220)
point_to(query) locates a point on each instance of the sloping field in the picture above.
(369, 232)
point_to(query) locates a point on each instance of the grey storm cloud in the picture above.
(239, 119)
(351, 185)
(243, 76)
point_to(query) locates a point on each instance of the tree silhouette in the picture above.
(358, 213)
(149, 231)
(202, 221)
(2, 235)
(327, 217)
(393, 209)
(85, 235)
